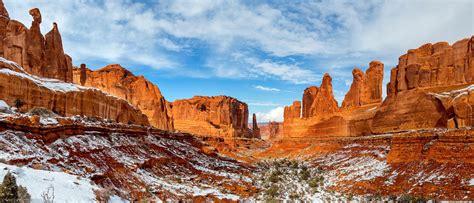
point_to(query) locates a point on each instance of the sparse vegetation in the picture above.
(19, 103)
(10, 192)
(41, 111)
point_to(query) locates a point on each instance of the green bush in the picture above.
(272, 191)
(10, 192)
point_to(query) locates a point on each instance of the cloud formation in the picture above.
(268, 89)
(275, 114)
(294, 42)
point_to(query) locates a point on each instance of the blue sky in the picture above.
(264, 53)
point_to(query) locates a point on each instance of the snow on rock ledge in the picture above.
(65, 99)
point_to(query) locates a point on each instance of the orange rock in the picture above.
(324, 103)
(365, 88)
(271, 130)
(309, 96)
(86, 102)
(293, 111)
(42, 56)
(218, 116)
(255, 129)
(117, 81)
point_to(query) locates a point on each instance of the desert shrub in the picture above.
(48, 195)
(10, 192)
(272, 191)
(316, 181)
(41, 111)
(19, 103)
(407, 198)
(23, 196)
(274, 177)
(305, 174)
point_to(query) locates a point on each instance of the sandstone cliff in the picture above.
(62, 98)
(218, 116)
(431, 87)
(366, 88)
(117, 81)
(38, 55)
(271, 130)
(426, 86)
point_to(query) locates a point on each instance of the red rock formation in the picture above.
(309, 96)
(422, 89)
(366, 88)
(42, 56)
(323, 103)
(63, 98)
(117, 81)
(271, 130)
(255, 129)
(293, 111)
(218, 116)
(434, 65)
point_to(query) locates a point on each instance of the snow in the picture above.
(3, 105)
(471, 182)
(48, 121)
(67, 188)
(52, 84)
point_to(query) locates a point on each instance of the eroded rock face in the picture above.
(218, 116)
(271, 130)
(255, 128)
(434, 65)
(293, 111)
(42, 56)
(117, 81)
(324, 102)
(63, 98)
(366, 88)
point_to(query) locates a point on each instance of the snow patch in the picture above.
(3, 106)
(67, 188)
(471, 182)
(48, 121)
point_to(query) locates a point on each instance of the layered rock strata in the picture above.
(117, 81)
(218, 116)
(25, 91)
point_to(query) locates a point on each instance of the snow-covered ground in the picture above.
(64, 187)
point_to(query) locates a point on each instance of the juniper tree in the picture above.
(9, 189)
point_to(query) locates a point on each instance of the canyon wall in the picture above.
(218, 116)
(62, 98)
(431, 87)
(271, 130)
(37, 54)
(117, 81)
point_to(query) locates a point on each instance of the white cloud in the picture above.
(257, 103)
(330, 33)
(268, 89)
(275, 114)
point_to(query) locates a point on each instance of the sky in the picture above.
(264, 53)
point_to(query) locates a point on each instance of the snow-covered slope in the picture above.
(64, 187)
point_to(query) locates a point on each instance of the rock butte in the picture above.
(218, 116)
(271, 130)
(117, 81)
(429, 88)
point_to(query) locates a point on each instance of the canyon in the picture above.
(117, 132)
